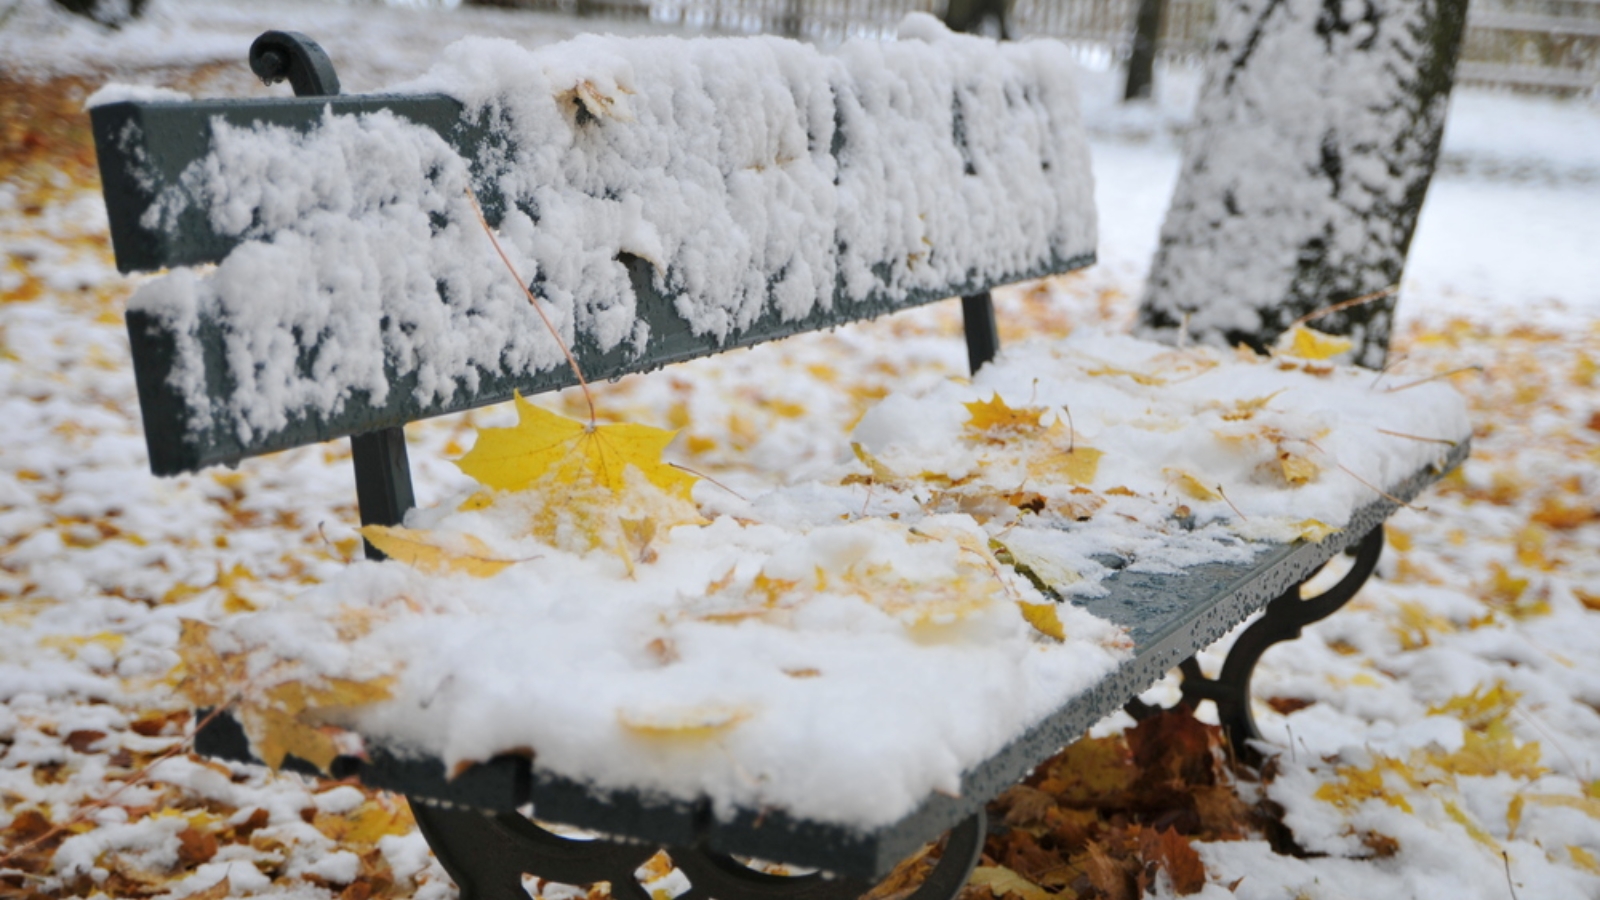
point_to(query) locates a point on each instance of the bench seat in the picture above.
(741, 690)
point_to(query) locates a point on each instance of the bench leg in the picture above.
(487, 854)
(1284, 619)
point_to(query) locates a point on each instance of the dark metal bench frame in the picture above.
(472, 820)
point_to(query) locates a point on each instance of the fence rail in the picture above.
(1549, 45)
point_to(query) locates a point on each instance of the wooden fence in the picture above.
(1549, 45)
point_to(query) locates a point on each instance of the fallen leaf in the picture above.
(1002, 881)
(1313, 531)
(280, 724)
(1173, 852)
(1044, 618)
(1307, 343)
(1583, 859)
(432, 552)
(544, 444)
(995, 415)
(694, 722)
(1191, 485)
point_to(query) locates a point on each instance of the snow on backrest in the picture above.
(665, 198)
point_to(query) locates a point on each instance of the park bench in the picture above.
(153, 157)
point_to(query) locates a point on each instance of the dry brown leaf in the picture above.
(1003, 882)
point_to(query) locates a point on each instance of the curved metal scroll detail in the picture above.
(488, 853)
(1283, 620)
(279, 55)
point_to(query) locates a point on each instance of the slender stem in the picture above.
(1410, 385)
(1414, 437)
(1344, 305)
(704, 477)
(89, 809)
(571, 360)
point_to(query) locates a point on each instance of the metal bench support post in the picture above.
(383, 471)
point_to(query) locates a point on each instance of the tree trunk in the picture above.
(1316, 134)
(1142, 59)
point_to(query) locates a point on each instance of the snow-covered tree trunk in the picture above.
(1316, 134)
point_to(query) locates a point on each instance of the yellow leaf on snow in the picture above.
(546, 444)
(1076, 466)
(1002, 881)
(881, 474)
(1588, 805)
(1473, 828)
(695, 722)
(1307, 343)
(1191, 485)
(1584, 859)
(1044, 618)
(1314, 531)
(428, 551)
(994, 415)
(1297, 469)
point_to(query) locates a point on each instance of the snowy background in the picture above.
(1440, 737)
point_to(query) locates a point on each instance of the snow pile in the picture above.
(841, 648)
(758, 178)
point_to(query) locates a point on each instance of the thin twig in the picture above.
(1409, 386)
(1344, 305)
(1224, 495)
(571, 360)
(1510, 885)
(139, 777)
(1413, 437)
(1072, 430)
(1375, 489)
(704, 477)
(1387, 366)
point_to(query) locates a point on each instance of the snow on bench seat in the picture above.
(842, 648)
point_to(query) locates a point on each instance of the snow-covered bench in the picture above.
(677, 199)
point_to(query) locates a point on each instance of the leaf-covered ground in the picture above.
(1439, 737)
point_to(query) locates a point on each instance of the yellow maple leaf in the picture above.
(1306, 343)
(1044, 618)
(282, 723)
(544, 444)
(1493, 751)
(1480, 708)
(430, 552)
(1357, 785)
(203, 675)
(995, 415)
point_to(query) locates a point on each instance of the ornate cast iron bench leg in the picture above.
(487, 855)
(1284, 619)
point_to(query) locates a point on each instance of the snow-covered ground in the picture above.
(1447, 735)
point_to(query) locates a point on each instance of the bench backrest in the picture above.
(668, 199)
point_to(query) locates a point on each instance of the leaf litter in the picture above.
(1502, 568)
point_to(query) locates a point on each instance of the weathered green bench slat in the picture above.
(1169, 618)
(146, 146)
